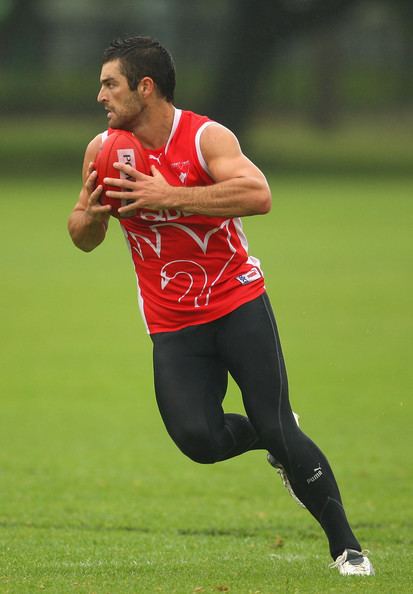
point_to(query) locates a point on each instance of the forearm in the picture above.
(231, 198)
(86, 232)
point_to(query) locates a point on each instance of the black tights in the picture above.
(191, 374)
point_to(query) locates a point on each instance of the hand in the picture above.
(95, 209)
(147, 191)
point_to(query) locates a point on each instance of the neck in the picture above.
(154, 129)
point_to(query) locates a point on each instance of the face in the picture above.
(122, 105)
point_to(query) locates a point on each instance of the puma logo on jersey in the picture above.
(155, 158)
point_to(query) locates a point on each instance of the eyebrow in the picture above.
(107, 80)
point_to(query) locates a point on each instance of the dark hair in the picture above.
(143, 56)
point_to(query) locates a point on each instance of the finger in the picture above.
(126, 184)
(130, 171)
(91, 181)
(90, 167)
(128, 208)
(95, 195)
(100, 209)
(156, 173)
(120, 195)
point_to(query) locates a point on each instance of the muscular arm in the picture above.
(88, 220)
(240, 189)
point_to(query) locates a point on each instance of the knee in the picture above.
(196, 446)
(200, 456)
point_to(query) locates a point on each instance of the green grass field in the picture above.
(94, 496)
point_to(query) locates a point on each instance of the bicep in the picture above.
(223, 156)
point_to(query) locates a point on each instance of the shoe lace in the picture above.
(341, 559)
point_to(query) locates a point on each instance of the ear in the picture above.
(146, 86)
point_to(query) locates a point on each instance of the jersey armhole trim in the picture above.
(198, 146)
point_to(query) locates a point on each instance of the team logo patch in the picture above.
(253, 275)
(181, 170)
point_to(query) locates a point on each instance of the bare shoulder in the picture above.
(223, 155)
(217, 139)
(91, 152)
(95, 143)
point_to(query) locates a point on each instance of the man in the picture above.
(202, 296)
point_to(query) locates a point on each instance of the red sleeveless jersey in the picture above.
(190, 268)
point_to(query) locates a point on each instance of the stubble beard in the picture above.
(130, 118)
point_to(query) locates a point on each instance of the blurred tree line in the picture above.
(237, 59)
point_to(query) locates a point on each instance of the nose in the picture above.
(101, 96)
